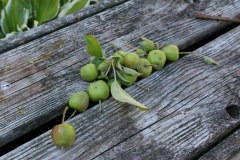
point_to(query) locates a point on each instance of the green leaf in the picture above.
(22, 28)
(46, 9)
(131, 72)
(62, 2)
(35, 24)
(95, 1)
(103, 67)
(97, 60)
(118, 65)
(209, 60)
(11, 34)
(93, 46)
(103, 77)
(73, 6)
(121, 77)
(120, 95)
(14, 14)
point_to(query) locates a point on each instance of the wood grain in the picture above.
(188, 101)
(43, 88)
(227, 149)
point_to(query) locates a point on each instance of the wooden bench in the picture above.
(194, 107)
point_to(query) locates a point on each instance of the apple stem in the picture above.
(116, 49)
(100, 105)
(114, 72)
(64, 114)
(109, 67)
(185, 52)
(157, 46)
(146, 89)
(72, 114)
(114, 46)
(145, 39)
(129, 46)
(109, 47)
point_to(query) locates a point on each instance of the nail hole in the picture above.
(233, 111)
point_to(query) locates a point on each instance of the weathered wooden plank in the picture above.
(57, 24)
(227, 149)
(43, 88)
(188, 101)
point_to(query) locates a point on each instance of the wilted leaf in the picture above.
(15, 14)
(73, 6)
(131, 72)
(46, 9)
(209, 60)
(120, 95)
(93, 46)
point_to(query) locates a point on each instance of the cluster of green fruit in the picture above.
(126, 68)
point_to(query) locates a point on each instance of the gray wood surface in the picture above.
(57, 24)
(188, 101)
(43, 88)
(229, 149)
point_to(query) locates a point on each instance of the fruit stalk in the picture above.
(138, 85)
(64, 114)
(100, 105)
(153, 65)
(144, 39)
(72, 114)
(129, 46)
(185, 52)
(109, 67)
(114, 72)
